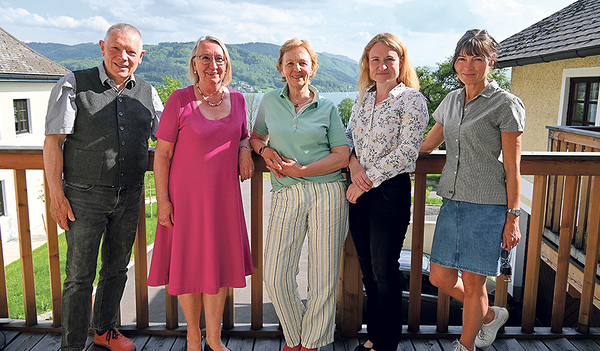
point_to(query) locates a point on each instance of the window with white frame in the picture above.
(583, 101)
(579, 97)
(22, 125)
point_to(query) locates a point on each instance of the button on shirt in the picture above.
(386, 137)
(473, 172)
(62, 109)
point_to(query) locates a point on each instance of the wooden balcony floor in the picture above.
(23, 341)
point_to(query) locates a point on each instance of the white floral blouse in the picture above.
(387, 137)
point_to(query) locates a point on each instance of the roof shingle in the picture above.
(571, 32)
(17, 59)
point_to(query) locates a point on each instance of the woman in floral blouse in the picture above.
(385, 133)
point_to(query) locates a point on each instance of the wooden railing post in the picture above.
(25, 247)
(564, 254)
(416, 263)
(256, 245)
(141, 270)
(53, 259)
(228, 310)
(532, 272)
(171, 310)
(591, 260)
(3, 291)
(350, 294)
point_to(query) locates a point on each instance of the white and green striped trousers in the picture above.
(319, 212)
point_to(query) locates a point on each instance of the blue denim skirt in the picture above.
(468, 237)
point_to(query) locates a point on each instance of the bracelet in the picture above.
(162, 198)
(245, 147)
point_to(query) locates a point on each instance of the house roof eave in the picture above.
(584, 52)
(12, 77)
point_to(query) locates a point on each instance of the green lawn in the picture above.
(14, 280)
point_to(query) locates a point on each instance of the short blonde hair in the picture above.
(407, 75)
(292, 44)
(193, 75)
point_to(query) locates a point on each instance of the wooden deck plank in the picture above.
(179, 344)
(507, 345)
(446, 344)
(25, 341)
(139, 340)
(560, 344)
(50, 341)
(267, 344)
(235, 343)
(405, 345)
(159, 343)
(586, 345)
(427, 345)
(533, 345)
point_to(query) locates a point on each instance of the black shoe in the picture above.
(362, 348)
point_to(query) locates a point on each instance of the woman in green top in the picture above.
(301, 138)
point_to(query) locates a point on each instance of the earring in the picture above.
(195, 72)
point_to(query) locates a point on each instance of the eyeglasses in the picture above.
(505, 267)
(206, 60)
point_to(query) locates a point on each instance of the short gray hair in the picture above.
(123, 27)
(193, 75)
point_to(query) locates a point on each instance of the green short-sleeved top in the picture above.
(305, 137)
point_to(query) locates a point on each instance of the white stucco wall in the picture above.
(37, 94)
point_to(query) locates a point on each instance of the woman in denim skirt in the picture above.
(480, 213)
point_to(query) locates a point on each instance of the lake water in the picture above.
(338, 97)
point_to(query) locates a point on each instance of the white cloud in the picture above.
(430, 28)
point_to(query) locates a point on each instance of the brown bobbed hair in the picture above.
(407, 74)
(476, 42)
(292, 44)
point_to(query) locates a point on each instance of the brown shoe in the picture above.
(114, 341)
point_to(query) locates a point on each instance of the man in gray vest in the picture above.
(95, 154)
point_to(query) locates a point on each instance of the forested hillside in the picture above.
(253, 64)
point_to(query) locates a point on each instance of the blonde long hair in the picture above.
(407, 75)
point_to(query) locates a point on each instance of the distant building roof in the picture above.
(569, 33)
(18, 61)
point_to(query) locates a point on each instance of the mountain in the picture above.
(339, 57)
(254, 64)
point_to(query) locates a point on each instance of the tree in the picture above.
(164, 91)
(252, 102)
(345, 110)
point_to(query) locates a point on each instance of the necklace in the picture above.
(301, 103)
(205, 98)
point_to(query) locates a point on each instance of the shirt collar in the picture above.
(395, 92)
(487, 92)
(104, 78)
(285, 92)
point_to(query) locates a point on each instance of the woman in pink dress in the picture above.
(201, 245)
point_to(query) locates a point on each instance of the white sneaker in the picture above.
(458, 346)
(486, 336)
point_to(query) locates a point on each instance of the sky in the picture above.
(429, 28)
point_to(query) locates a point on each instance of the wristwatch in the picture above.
(514, 211)
(262, 149)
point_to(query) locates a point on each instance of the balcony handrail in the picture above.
(538, 164)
